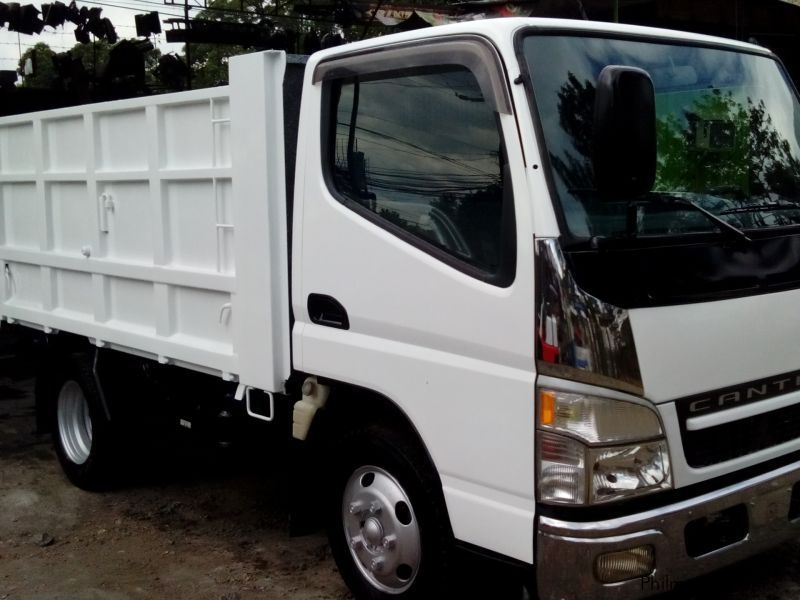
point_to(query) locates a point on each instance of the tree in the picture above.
(576, 117)
(727, 146)
(93, 57)
(718, 144)
(84, 65)
(210, 61)
(44, 72)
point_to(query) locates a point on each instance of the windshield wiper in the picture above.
(763, 206)
(633, 214)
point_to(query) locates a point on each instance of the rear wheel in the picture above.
(82, 432)
(388, 528)
(74, 422)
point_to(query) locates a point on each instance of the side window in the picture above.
(421, 150)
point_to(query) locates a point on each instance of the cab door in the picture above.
(413, 268)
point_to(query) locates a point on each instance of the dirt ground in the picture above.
(199, 528)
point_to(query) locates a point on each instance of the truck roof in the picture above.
(504, 28)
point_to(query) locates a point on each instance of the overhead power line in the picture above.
(32, 44)
(136, 8)
(140, 3)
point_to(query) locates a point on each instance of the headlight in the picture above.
(597, 420)
(593, 450)
(621, 471)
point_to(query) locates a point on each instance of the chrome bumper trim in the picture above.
(566, 551)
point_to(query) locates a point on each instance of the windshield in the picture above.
(728, 135)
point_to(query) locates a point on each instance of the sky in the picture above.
(121, 13)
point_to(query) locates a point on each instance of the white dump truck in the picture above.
(524, 286)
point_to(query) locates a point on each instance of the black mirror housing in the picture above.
(624, 153)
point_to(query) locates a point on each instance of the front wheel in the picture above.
(388, 528)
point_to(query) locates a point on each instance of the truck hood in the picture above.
(694, 348)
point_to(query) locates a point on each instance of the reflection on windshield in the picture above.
(732, 149)
(727, 132)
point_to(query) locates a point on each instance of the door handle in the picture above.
(106, 202)
(327, 311)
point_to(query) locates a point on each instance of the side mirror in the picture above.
(624, 158)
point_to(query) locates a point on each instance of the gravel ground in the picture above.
(201, 527)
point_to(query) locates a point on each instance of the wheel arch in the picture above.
(50, 352)
(350, 407)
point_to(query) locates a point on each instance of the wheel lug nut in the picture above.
(357, 543)
(356, 508)
(375, 507)
(376, 565)
(389, 542)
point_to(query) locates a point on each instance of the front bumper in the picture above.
(566, 551)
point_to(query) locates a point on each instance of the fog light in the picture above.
(625, 564)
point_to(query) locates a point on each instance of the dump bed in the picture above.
(156, 225)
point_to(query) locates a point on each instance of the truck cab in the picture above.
(597, 360)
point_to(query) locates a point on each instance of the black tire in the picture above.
(375, 452)
(86, 465)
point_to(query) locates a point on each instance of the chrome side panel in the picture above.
(580, 337)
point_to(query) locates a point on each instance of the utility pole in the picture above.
(188, 52)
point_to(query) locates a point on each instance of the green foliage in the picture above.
(717, 145)
(151, 68)
(685, 163)
(725, 146)
(44, 72)
(93, 57)
(210, 61)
